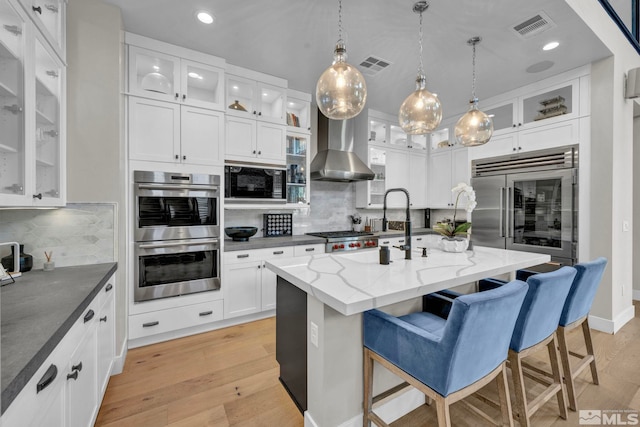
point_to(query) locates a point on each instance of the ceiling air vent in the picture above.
(534, 26)
(372, 65)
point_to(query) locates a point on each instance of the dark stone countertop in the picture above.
(302, 239)
(36, 312)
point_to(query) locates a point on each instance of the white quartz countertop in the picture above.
(355, 282)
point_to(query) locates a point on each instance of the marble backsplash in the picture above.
(79, 234)
(332, 203)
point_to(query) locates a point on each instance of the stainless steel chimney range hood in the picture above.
(336, 160)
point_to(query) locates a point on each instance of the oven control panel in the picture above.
(352, 245)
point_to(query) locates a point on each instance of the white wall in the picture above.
(636, 202)
(95, 161)
(611, 160)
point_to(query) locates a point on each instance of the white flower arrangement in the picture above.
(450, 230)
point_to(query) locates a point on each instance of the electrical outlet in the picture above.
(314, 334)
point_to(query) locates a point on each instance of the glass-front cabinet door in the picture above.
(153, 74)
(241, 95)
(249, 98)
(50, 16)
(397, 137)
(49, 80)
(377, 186)
(12, 97)
(503, 117)
(419, 142)
(377, 131)
(202, 85)
(297, 169)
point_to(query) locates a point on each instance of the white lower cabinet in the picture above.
(172, 319)
(106, 338)
(67, 389)
(250, 287)
(81, 378)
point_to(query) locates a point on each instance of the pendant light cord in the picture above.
(473, 66)
(340, 22)
(421, 66)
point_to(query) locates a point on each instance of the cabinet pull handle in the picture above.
(73, 376)
(177, 95)
(310, 249)
(108, 288)
(177, 157)
(206, 313)
(38, 196)
(401, 241)
(47, 378)
(103, 319)
(77, 367)
(260, 113)
(37, 9)
(259, 152)
(386, 242)
(278, 252)
(184, 96)
(184, 157)
(418, 238)
(150, 324)
(89, 315)
(254, 112)
(243, 256)
(254, 151)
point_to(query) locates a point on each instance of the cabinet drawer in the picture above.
(237, 257)
(157, 322)
(308, 250)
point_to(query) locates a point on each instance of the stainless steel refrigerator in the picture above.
(528, 202)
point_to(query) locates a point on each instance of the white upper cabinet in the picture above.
(50, 18)
(32, 113)
(256, 99)
(544, 115)
(170, 78)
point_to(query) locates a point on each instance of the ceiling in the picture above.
(294, 39)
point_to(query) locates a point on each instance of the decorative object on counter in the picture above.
(367, 225)
(356, 221)
(237, 106)
(396, 225)
(277, 225)
(48, 265)
(341, 91)
(26, 260)
(240, 234)
(385, 255)
(421, 111)
(475, 127)
(457, 233)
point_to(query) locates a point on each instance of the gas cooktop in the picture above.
(339, 234)
(347, 240)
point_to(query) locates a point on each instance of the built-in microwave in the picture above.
(252, 184)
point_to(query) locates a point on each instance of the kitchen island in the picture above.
(319, 319)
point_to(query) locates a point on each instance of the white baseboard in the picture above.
(612, 326)
(390, 410)
(118, 362)
(636, 295)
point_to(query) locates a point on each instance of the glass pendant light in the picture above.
(421, 112)
(475, 127)
(341, 91)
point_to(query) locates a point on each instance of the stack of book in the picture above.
(551, 107)
(293, 120)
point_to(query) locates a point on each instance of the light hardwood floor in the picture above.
(229, 377)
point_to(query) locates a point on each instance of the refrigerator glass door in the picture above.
(488, 217)
(540, 212)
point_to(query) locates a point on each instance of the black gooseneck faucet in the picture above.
(407, 226)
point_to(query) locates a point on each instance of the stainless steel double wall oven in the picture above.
(177, 234)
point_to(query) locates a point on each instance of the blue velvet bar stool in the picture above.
(576, 313)
(450, 359)
(535, 329)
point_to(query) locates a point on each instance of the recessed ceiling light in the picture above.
(205, 17)
(550, 46)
